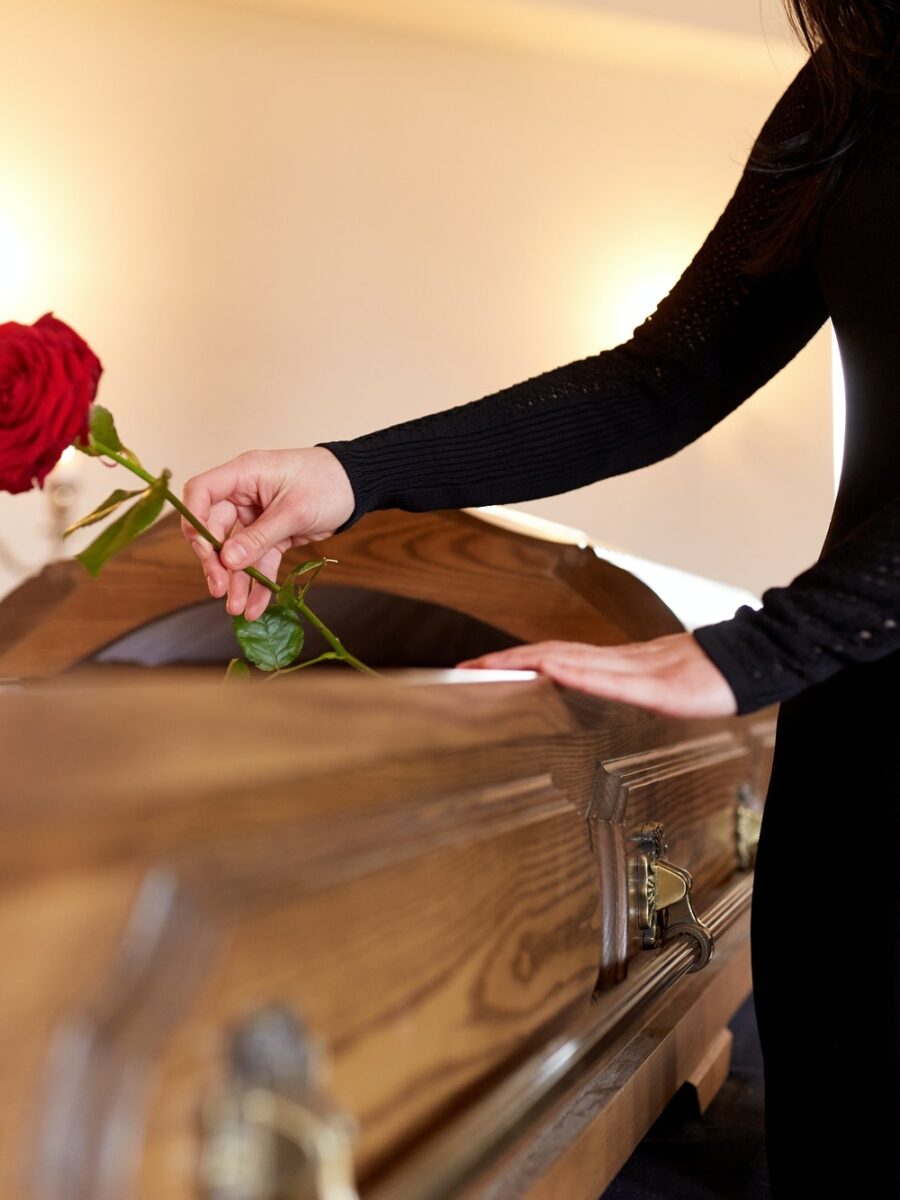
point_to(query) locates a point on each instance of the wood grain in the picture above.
(709, 1075)
(431, 895)
(588, 1139)
(434, 875)
(525, 587)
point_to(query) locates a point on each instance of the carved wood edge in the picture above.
(660, 764)
(593, 1127)
(708, 1076)
(532, 794)
(459, 1154)
(401, 721)
(101, 1059)
(526, 586)
(607, 819)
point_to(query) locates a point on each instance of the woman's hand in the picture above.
(259, 505)
(668, 675)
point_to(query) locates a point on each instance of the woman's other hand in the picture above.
(259, 505)
(668, 675)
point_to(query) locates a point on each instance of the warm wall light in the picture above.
(623, 293)
(14, 268)
(638, 297)
(838, 409)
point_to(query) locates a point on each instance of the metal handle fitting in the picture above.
(270, 1132)
(665, 909)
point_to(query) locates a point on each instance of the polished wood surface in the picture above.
(580, 1143)
(431, 893)
(710, 1073)
(526, 586)
(434, 870)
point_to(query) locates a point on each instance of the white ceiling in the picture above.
(758, 18)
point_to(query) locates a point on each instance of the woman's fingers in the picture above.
(644, 691)
(257, 505)
(219, 521)
(225, 519)
(248, 596)
(245, 595)
(529, 657)
(634, 658)
(670, 675)
(259, 595)
(204, 495)
(238, 592)
(231, 481)
(258, 601)
(273, 526)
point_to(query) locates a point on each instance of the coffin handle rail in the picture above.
(271, 1133)
(454, 1159)
(665, 909)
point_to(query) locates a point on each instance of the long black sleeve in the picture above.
(713, 340)
(844, 609)
(716, 338)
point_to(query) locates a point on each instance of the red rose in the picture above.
(48, 380)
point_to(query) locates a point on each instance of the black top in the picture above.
(717, 337)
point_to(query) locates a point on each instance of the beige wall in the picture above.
(275, 228)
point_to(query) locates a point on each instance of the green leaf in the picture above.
(122, 532)
(109, 505)
(309, 565)
(237, 669)
(130, 455)
(103, 437)
(103, 431)
(273, 640)
(287, 594)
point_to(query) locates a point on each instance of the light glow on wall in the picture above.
(838, 409)
(637, 297)
(15, 267)
(621, 291)
(25, 234)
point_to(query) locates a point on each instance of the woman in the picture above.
(811, 231)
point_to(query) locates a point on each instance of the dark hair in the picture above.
(853, 46)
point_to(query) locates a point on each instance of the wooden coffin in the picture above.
(424, 936)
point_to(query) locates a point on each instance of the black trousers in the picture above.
(826, 939)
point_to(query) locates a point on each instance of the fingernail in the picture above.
(234, 555)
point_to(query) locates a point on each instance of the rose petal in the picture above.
(48, 381)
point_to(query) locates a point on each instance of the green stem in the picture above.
(339, 650)
(136, 469)
(334, 642)
(329, 654)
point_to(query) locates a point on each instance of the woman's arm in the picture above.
(844, 609)
(716, 338)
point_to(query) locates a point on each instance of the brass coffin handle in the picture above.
(748, 826)
(270, 1133)
(665, 909)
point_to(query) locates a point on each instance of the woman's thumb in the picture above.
(246, 547)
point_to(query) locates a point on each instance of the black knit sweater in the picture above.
(716, 338)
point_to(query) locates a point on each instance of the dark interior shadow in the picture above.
(381, 629)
